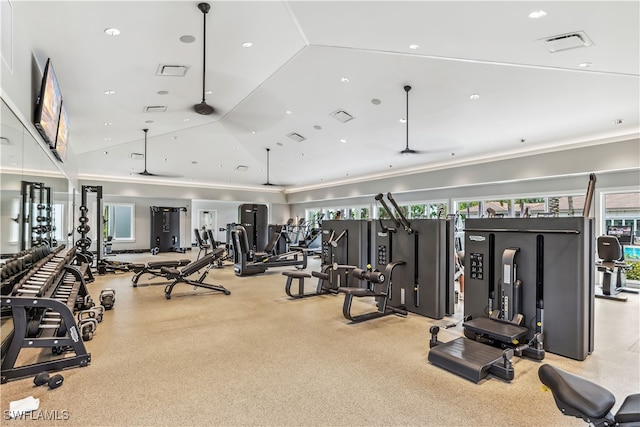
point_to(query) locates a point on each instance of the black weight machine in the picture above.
(612, 264)
(182, 275)
(247, 262)
(165, 229)
(424, 284)
(528, 290)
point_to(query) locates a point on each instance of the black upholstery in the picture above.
(201, 244)
(181, 276)
(609, 250)
(629, 412)
(575, 394)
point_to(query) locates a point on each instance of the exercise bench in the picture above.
(154, 268)
(181, 276)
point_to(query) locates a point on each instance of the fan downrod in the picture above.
(204, 108)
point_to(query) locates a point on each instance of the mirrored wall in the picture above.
(36, 198)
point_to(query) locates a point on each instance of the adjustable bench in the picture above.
(181, 276)
(154, 268)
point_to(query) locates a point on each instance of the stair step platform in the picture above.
(469, 359)
(496, 329)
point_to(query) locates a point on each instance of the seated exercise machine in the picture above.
(154, 268)
(613, 269)
(578, 397)
(181, 276)
(247, 262)
(503, 330)
(379, 286)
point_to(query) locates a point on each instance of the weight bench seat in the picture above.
(501, 331)
(469, 359)
(181, 276)
(361, 292)
(300, 275)
(155, 268)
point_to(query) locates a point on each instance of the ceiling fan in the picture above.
(146, 172)
(204, 108)
(408, 151)
(268, 183)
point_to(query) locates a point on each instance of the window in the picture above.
(119, 221)
(623, 209)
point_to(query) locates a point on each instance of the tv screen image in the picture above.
(48, 107)
(62, 139)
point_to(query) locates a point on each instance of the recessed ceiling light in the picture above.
(617, 122)
(414, 46)
(186, 120)
(376, 101)
(302, 154)
(474, 96)
(165, 159)
(220, 165)
(279, 143)
(253, 132)
(194, 162)
(187, 39)
(163, 92)
(317, 127)
(289, 112)
(452, 154)
(343, 141)
(522, 140)
(112, 32)
(247, 44)
(403, 120)
(538, 14)
(174, 137)
(109, 92)
(584, 64)
(209, 92)
(107, 139)
(390, 166)
(108, 123)
(106, 152)
(149, 121)
(344, 80)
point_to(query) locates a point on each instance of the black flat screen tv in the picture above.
(622, 232)
(62, 138)
(47, 111)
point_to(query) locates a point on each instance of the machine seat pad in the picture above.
(502, 331)
(170, 272)
(630, 409)
(361, 292)
(467, 358)
(320, 275)
(136, 266)
(578, 393)
(168, 263)
(296, 274)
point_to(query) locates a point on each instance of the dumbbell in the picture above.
(155, 250)
(107, 298)
(44, 378)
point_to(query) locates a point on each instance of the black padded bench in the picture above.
(154, 268)
(181, 276)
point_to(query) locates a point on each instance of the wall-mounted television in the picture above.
(62, 138)
(47, 111)
(622, 232)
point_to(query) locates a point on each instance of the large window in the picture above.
(119, 221)
(623, 209)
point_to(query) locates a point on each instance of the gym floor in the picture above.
(257, 358)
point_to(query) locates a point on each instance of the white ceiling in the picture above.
(301, 51)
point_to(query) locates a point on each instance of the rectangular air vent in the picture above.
(566, 41)
(136, 156)
(341, 116)
(155, 109)
(172, 70)
(296, 137)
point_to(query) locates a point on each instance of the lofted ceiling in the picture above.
(310, 59)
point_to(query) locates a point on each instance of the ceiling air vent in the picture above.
(296, 137)
(155, 109)
(136, 156)
(566, 41)
(341, 116)
(172, 70)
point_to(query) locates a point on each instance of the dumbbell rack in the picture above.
(42, 305)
